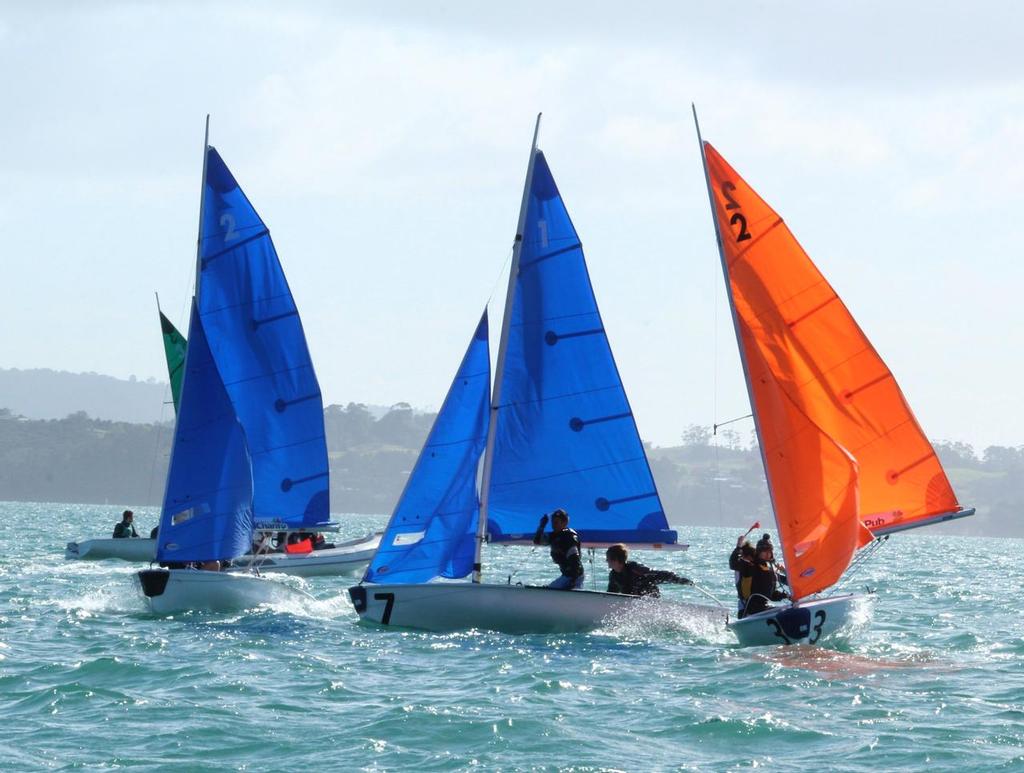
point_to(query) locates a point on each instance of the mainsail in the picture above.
(841, 447)
(174, 349)
(432, 530)
(565, 433)
(256, 337)
(207, 510)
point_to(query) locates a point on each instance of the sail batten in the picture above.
(838, 437)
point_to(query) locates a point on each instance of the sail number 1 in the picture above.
(737, 217)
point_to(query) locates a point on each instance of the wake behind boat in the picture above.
(846, 462)
(557, 432)
(249, 443)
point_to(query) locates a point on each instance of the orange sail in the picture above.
(842, 449)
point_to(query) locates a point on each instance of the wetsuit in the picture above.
(735, 561)
(638, 580)
(567, 553)
(123, 529)
(759, 583)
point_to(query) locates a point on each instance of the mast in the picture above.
(184, 374)
(202, 202)
(735, 319)
(499, 368)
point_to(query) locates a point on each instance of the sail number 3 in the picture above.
(738, 218)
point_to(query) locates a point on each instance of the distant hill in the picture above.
(41, 393)
(53, 394)
(87, 460)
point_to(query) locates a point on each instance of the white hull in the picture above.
(507, 608)
(167, 591)
(806, 622)
(348, 558)
(97, 549)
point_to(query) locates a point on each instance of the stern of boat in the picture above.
(806, 622)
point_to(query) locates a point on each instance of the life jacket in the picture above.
(567, 552)
(302, 546)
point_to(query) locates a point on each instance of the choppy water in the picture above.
(89, 680)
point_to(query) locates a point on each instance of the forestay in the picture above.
(432, 530)
(565, 434)
(256, 337)
(207, 510)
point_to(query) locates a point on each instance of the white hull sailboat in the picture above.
(556, 432)
(846, 462)
(99, 549)
(345, 558)
(171, 591)
(805, 622)
(249, 443)
(515, 609)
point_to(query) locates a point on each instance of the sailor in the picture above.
(125, 528)
(565, 550)
(742, 555)
(634, 579)
(760, 579)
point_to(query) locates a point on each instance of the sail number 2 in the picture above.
(737, 217)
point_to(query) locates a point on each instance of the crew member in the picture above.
(565, 550)
(635, 579)
(760, 580)
(743, 555)
(125, 528)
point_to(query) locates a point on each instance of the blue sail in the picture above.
(565, 434)
(256, 338)
(207, 511)
(433, 529)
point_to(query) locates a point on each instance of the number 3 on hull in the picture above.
(845, 459)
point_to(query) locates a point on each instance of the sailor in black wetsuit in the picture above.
(565, 550)
(634, 579)
(743, 555)
(760, 579)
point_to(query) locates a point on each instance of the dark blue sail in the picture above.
(565, 432)
(256, 338)
(433, 529)
(207, 512)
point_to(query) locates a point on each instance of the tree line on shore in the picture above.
(708, 479)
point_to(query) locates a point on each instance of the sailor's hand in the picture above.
(739, 541)
(685, 581)
(544, 520)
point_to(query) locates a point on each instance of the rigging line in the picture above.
(156, 450)
(731, 421)
(860, 561)
(501, 272)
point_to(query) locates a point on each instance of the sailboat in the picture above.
(249, 443)
(846, 462)
(557, 431)
(141, 548)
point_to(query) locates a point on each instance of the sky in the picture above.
(385, 146)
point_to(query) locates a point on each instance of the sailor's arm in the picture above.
(540, 537)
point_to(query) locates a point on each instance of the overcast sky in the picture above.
(386, 151)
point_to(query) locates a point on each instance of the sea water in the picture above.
(88, 679)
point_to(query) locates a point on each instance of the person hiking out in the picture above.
(565, 550)
(634, 579)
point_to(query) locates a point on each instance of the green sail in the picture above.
(174, 348)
